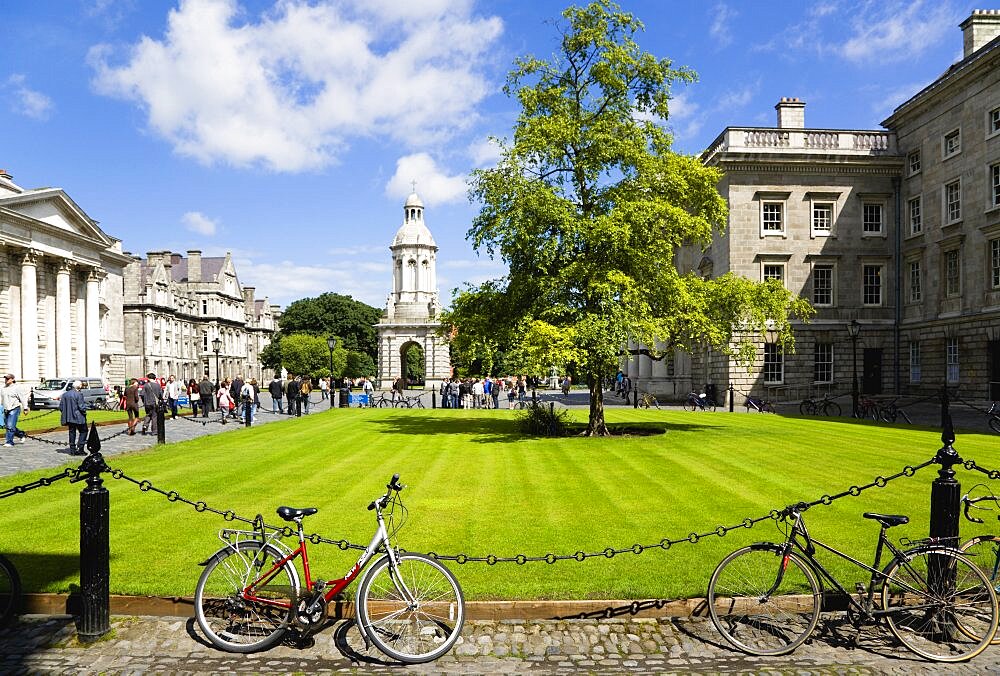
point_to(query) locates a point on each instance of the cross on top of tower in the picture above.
(414, 184)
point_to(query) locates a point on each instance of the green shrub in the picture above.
(543, 420)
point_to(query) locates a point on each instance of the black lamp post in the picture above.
(216, 348)
(331, 343)
(853, 330)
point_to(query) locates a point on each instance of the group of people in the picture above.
(486, 392)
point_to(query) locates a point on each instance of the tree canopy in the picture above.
(588, 205)
(303, 354)
(337, 315)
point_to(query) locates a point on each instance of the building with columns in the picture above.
(897, 229)
(60, 288)
(412, 313)
(176, 307)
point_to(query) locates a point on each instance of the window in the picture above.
(913, 162)
(916, 224)
(204, 341)
(823, 285)
(871, 284)
(773, 218)
(871, 223)
(952, 273)
(951, 359)
(204, 307)
(774, 364)
(773, 271)
(915, 294)
(953, 202)
(822, 218)
(823, 363)
(952, 143)
(995, 263)
(914, 362)
(994, 183)
(993, 122)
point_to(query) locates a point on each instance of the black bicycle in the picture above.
(890, 412)
(823, 406)
(10, 591)
(758, 404)
(993, 416)
(765, 599)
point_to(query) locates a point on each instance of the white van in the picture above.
(49, 392)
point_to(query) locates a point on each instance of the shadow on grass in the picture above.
(489, 429)
(38, 571)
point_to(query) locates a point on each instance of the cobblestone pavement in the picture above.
(636, 646)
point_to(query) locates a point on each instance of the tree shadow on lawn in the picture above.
(488, 429)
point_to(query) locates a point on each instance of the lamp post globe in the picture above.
(331, 343)
(216, 348)
(854, 330)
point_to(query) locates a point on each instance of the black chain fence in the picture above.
(39, 483)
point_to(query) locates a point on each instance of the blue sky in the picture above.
(288, 132)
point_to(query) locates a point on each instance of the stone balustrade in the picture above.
(841, 141)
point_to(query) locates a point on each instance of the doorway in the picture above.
(871, 372)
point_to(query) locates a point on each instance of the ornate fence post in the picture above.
(946, 491)
(248, 411)
(732, 397)
(434, 399)
(161, 432)
(95, 556)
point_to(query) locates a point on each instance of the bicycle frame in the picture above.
(800, 533)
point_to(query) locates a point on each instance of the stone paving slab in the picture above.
(47, 644)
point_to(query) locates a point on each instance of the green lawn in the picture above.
(475, 486)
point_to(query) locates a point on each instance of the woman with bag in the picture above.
(225, 400)
(194, 395)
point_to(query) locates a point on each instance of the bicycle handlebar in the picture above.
(971, 502)
(393, 485)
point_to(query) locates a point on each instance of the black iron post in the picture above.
(217, 347)
(434, 399)
(732, 397)
(945, 504)
(331, 342)
(853, 330)
(95, 555)
(161, 432)
(248, 411)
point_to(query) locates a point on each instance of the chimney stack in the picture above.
(194, 265)
(791, 113)
(980, 28)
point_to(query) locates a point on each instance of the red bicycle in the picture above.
(250, 594)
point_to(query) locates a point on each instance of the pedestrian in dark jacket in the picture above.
(277, 391)
(152, 393)
(292, 393)
(73, 414)
(207, 396)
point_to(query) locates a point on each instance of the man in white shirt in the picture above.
(174, 389)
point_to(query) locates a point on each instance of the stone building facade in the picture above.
(412, 313)
(175, 307)
(60, 288)
(895, 228)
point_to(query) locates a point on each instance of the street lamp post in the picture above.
(216, 348)
(331, 343)
(853, 330)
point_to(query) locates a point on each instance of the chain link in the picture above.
(991, 473)
(957, 398)
(39, 483)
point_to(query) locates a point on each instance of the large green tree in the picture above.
(303, 354)
(587, 207)
(334, 314)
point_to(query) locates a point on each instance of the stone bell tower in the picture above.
(412, 312)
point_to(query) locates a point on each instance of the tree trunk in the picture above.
(596, 427)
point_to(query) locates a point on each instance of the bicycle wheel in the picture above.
(937, 620)
(10, 591)
(832, 409)
(384, 403)
(995, 424)
(807, 407)
(711, 406)
(414, 631)
(902, 414)
(757, 612)
(887, 414)
(984, 551)
(689, 405)
(768, 407)
(232, 622)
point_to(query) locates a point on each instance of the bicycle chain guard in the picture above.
(310, 611)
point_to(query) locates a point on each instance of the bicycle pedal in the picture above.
(860, 588)
(319, 585)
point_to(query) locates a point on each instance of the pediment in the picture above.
(53, 208)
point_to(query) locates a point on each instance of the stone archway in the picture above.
(414, 364)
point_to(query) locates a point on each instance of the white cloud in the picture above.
(739, 98)
(195, 221)
(26, 101)
(291, 88)
(485, 153)
(721, 28)
(885, 32)
(362, 250)
(891, 98)
(432, 184)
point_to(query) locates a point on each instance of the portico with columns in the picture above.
(412, 314)
(60, 288)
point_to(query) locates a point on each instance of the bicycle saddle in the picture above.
(291, 513)
(887, 520)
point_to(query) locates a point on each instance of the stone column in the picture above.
(64, 326)
(29, 317)
(93, 363)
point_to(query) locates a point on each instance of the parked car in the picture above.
(49, 392)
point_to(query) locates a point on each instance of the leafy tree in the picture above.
(309, 355)
(587, 207)
(359, 365)
(415, 363)
(334, 314)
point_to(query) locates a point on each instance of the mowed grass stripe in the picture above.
(476, 486)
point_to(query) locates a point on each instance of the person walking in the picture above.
(13, 402)
(174, 389)
(194, 396)
(277, 391)
(152, 394)
(324, 388)
(224, 400)
(235, 388)
(206, 390)
(73, 414)
(305, 389)
(132, 405)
